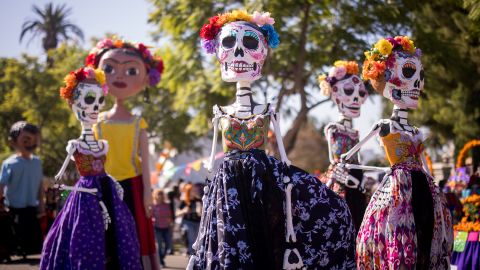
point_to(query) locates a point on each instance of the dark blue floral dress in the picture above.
(244, 215)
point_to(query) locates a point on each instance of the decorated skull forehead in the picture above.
(394, 67)
(85, 92)
(241, 42)
(345, 88)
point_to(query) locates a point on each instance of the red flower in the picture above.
(90, 60)
(213, 20)
(80, 75)
(141, 47)
(209, 31)
(159, 67)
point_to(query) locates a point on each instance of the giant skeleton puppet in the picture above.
(129, 68)
(94, 217)
(406, 224)
(254, 198)
(347, 91)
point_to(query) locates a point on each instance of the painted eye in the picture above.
(108, 69)
(422, 75)
(89, 98)
(408, 70)
(348, 91)
(229, 42)
(101, 99)
(362, 93)
(132, 72)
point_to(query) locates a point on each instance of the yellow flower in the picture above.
(384, 47)
(100, 76)
(241, 15)
(321, 78)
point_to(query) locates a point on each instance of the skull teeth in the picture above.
(240, 66)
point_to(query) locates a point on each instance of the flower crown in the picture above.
(75, 77)
(380, 56)
(340, 71)
(209, 31)
(153, 64)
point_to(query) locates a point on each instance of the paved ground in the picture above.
(174, 262)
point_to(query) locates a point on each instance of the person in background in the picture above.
(21, 187)
(163, 218)
(190, 208)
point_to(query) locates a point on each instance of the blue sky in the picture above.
(129, 20)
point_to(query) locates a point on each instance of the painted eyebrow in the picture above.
(118, 62)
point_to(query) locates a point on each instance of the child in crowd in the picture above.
(21, 187)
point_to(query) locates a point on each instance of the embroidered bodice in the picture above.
(341, 141)
(244, 133)
(403, 147)
(88, 163)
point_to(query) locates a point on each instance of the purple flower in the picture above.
(209, 46)
(393, 42)
(154, 76)
(390, 63)
(418, 52)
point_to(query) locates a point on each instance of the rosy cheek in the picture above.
(257, 55)
(222, 57)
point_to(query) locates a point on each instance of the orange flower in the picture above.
(118, 43)
(373, 69)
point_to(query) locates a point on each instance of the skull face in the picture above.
(88, 100)
(404, 81)
(242, 50)
(349, 94)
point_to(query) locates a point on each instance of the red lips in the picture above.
(119, 84)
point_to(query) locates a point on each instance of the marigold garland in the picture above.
(471, 218)
(209, 31)
(153, 64)
(461, 155)
(75, 77)
(380, 56)
(341, 69)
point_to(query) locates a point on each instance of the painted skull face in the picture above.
(88, 100)
(242, 49)
(349, 94)
(404, 81)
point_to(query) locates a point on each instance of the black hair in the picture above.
(20, 126)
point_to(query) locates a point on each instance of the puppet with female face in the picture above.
(347, 91)
(260, 212)
(129, 68)
(407, 213)
(95, 229)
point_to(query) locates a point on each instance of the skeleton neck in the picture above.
(400, 116)
(88, 137)
(345, 121)
(244, 103)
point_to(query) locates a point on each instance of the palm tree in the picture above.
(52, 23)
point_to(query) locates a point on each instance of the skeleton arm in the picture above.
(211, 161)
(278, 137)
(328, 134)
(71, 150)
(375, 130)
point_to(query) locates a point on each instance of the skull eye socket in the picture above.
(348, 91)
(250, 40)
(422, 75)
(89, 98)
(101, 100)
(108, 69)
(408, 70)
(362, 93)
(229, 42)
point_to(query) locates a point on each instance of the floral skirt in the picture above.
(356, 200)
(243, 221)
(77, 238)
(406, 224)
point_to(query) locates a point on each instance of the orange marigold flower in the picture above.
(373, 69)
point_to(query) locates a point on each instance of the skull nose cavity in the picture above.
(95, 108)
(417, 84)
(355, 99)
(238, 51)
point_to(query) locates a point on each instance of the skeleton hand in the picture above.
(207, 164)
(341, 175)
(118, 188)
(58, 177)
(105, 215)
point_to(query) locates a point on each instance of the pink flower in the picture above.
(106, 43)
(337, 72)
(105, 89)
(263, 18)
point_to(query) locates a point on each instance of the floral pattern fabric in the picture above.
(243, 221)
(387, 238)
